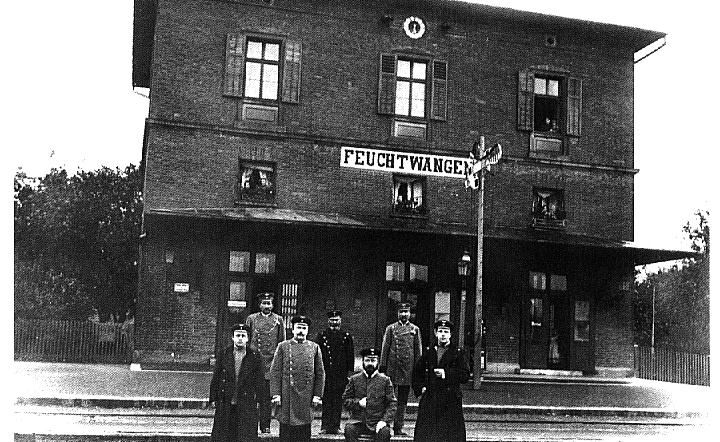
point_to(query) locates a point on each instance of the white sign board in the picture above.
(241, 304)
(404, 162)
(182, 287)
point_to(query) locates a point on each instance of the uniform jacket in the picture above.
(440, 415)
(296, 375)
(401, 348)
(267, 333)
(381, 401)
(224, 385)
(338, 354)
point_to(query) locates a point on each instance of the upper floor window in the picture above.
(407, 85)
(549, 104)
(262, 69)
(408, 195)
(256, 182)
(410, 88)
(548, 208)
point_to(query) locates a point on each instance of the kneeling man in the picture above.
(370, 399)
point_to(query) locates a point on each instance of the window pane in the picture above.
(558, 282)
(408, 195)
(582, 331)
(272, 51)
(540, 86)
(418, 272)
(537, 280)
(270, 81)
(418, 71)
(582, 311)
(237, 290)
(239, 261)
(252, 79)
(394, 271)
(265, 263)
(535, 319)
(254, 49)
(257, 183)
(553, 88)
(402, 98)
(418, 100)
(403, 68)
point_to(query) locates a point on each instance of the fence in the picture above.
(670, 365)
(73, 341)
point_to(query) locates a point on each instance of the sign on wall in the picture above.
(182, 287)
(404, 162)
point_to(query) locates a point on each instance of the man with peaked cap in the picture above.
(401, 348)
(297, 380)
(235, 390)
(338, 353)
(268, 332)
(436, 381)
(370, 399)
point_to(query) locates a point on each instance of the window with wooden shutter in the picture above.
(234, 47)
(526, 88)
(291, 72)
(438, 106)
(386, 85)
(574, 106)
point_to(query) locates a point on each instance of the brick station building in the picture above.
(317, 149)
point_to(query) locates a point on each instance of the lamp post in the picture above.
(463, 271)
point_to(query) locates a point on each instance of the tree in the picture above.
(76, 242)
(682, 297)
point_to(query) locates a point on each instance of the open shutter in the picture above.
(574, 106)
(386, 85)
(438, 106)
(291, 72)
(234, 59)
(526, 94)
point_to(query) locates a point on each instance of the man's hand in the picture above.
(422, 392)
(363, 402)
(316, 401)
(275, 400)
(440, 372)
(212, 404)
(380, 425)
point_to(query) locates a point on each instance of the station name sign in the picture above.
(404, 162)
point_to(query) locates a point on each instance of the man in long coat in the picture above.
(370, 399)
(268, 332)
(297, 380)
(401, 348)
(338, 353)
(235, 390)
(436, 381)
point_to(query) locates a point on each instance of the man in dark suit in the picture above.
(338, 354)
(436, 380)
(370, 399)
(236, 389)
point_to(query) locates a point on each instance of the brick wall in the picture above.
(197, 166)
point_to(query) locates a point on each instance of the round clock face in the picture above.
(414, 27)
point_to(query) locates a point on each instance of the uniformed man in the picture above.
(338, 352)
(370, 399)
(401, 348)
(268, 332)
(297, 380)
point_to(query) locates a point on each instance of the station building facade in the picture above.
(317, 150)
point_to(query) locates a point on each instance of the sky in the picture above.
(73, 105)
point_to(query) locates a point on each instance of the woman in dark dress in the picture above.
(436, 380)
